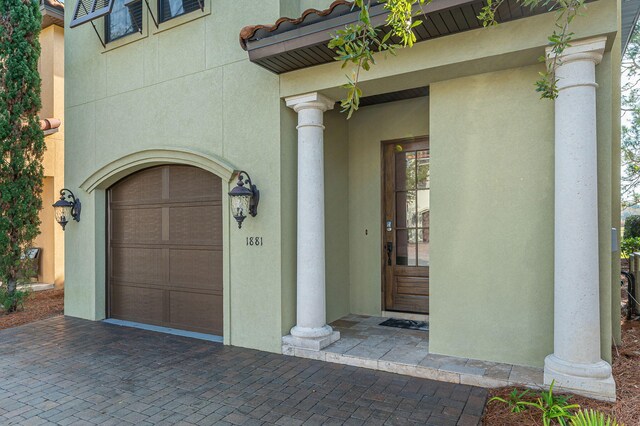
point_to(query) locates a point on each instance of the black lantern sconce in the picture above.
(68, 206)
(244, 199)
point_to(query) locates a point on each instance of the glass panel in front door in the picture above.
(412, 187)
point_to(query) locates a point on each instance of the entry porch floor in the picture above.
(365, 343)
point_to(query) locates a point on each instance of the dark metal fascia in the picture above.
(627, 8)
(320, 32)
(323, 26)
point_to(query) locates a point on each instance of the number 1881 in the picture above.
(254, 241)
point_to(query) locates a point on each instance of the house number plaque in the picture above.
(254, 241)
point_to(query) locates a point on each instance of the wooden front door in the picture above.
(406, 226)
(165, 249)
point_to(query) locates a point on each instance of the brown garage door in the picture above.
(165, 249)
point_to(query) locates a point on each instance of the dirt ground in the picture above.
(40, 305)
(626, 371)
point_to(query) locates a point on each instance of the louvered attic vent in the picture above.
(88, 10)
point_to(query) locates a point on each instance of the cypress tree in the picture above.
(21, 139)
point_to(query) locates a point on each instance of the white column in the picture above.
(576, 363)
(311, 330)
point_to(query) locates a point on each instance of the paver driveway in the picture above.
(70, 371)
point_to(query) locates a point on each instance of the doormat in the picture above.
(408, 324)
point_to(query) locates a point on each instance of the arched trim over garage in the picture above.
(112, 172)
(95, 203)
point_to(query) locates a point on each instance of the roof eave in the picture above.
(630, 14)
(321, 31)
(284, 51)
(51, 16)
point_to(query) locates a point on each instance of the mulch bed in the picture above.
(626, 371)
(40, 305)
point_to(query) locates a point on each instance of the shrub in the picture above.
(514, 401)
(16, 299)
(629, 246)
(593, 418)
(632, 227)
(554, 408)
(21, 139)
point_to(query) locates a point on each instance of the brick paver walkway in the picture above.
(70, 371)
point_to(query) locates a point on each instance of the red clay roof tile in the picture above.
(250, 31)
(49, 123)
(54, 4)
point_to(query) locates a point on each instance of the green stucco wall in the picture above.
(491, 130)
(496, 264)
(314, 4)
(492, 218)
(353, 197)
(189, 87)
(288, 203)
(367, 129)
(336, 210)
(192, 88)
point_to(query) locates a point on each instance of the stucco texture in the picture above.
(492, 183)
(187, 88)
(191, 88)
(492, 218)
(367, 129)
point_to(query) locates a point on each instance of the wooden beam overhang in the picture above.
(294, 45)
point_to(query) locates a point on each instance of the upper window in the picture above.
(169, 9)
(123, 20)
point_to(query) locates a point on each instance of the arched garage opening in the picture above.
(165, 249)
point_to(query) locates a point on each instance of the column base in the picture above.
(590, 380)
(308, 332)
(312, 343)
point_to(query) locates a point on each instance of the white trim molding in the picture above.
(97, 184)
(111, 172)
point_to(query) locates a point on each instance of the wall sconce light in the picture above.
(244, 200)
(68, 206)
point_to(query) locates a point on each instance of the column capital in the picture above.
(590, 49)
(313, 100)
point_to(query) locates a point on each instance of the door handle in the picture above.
(389, 249)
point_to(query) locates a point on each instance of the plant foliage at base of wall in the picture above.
(593, 418)
(13, 301)
(628, 246)
(555, 409)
